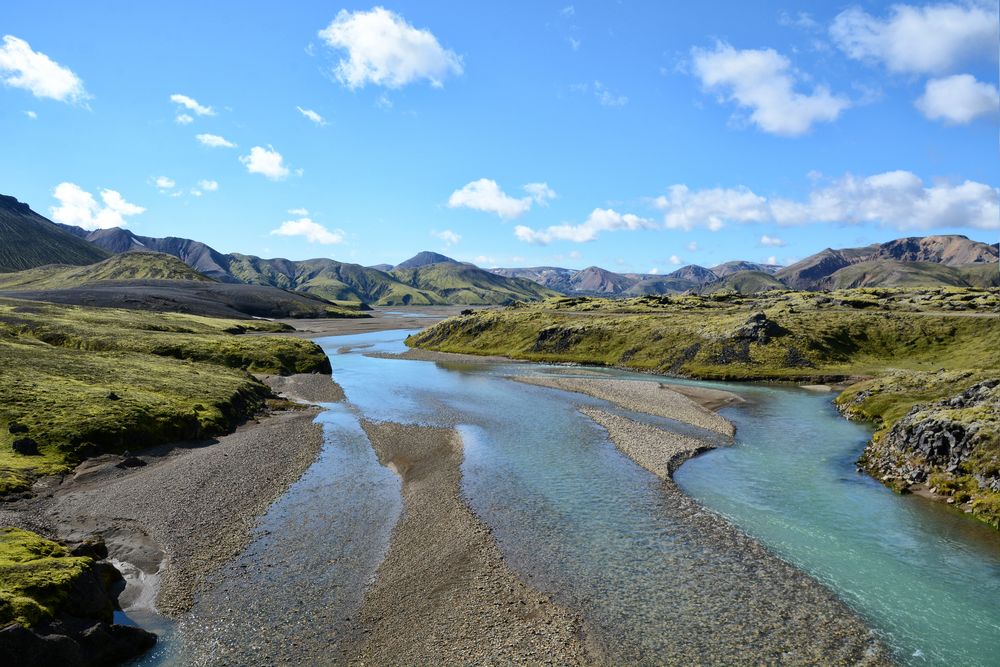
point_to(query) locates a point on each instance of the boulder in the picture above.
(16, 428)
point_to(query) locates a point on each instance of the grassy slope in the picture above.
(127, 266)
(335, 281)
(888, 273)
(29, 240)
(36, 576)
(175, 376)
(465, 284)
(912, 346)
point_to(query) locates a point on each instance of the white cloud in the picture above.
(449, 237)
(267, 162)
(600, 220)
(79, 207)
(568, 11)
(958, 99)
(214, 141)
(771, 242)
(31, 114)
(675, 260)
(21, 67)
(208, 186)
(164, 182)
(653, 271)
(191, 104)
(184, 119)
(384, 50)
(895, 199)
(301, 212)
(693, 246)
(772, 260)
(312, 115)
(540, 193)
(763, 81)
(485, 195)
(928, 39)
(312, 231)
(710, 208)
(195, 192)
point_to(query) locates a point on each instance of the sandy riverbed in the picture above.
(677, 402)
(443, 595)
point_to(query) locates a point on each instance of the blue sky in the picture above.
(631, 135)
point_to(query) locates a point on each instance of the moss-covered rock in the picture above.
(952, 446)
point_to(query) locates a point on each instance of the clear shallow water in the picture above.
(575, 517)
(561, 499)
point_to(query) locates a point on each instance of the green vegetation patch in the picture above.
(36, 576)
(77, 382)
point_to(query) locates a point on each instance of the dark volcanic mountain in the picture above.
(424, 258)
(28, 240)
(694, 273)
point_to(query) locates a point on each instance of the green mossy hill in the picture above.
(890, 273)
(332, 280)
(127, 266)
(77, 382)
(467, 284)
(907, 347)
(774, 335)
(36, 576)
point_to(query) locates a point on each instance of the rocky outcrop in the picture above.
(57, 605)
(758, 329)
(951, 447)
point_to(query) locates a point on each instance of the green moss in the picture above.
(36, 576)
(169, 377)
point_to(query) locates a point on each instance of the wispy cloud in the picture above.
(313, 116)
(311, 231)
(600, 220)
(895, 199)
(449, 237)
(214, 141)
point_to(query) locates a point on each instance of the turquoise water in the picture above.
(580, 521)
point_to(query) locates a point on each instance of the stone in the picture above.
(112, 396)
(16, 428)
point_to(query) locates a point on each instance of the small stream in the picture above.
(577, 519)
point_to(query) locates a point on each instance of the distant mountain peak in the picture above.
(425, 258)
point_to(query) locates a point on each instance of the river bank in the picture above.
(177, 512)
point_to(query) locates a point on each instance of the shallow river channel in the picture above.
(580, 521)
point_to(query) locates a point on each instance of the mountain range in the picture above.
(29, 240)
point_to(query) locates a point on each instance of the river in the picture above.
(577, 519)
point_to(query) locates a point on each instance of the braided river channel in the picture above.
(578, 520)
